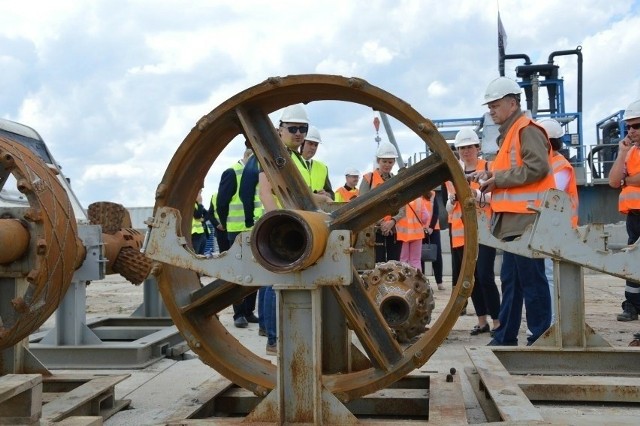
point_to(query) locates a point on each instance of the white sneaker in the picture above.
(440, 286)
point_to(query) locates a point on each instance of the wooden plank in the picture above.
(510, 400)
(81, 421)
(82, 395)
(446, 403)
(14, 384)
(209, 390)
(20, 398)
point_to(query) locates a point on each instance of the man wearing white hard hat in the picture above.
(349, 190)
(317, 170)
(625, 174)
(387, 246)
(520, 175)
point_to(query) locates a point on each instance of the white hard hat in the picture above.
(386, 150)
(352, 172)
(499, 88)
(294, 114)
(552, 127)
(466, 137)
(313, 135)
(632, 111)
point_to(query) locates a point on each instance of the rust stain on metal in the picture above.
(247, 114)
(404, 297)
(54, 247)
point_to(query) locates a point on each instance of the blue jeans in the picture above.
(261, 311)
(270, 315)
(523, 279)
(199, 242)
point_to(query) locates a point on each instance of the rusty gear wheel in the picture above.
(193, 308)
(54, 252)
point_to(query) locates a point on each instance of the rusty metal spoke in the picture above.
(192, 306)
(367, 322)
(387, 198)
(275, 160)
(214, 297)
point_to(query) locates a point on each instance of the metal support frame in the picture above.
(569, 362)
(110, 342)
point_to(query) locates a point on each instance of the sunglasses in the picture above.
(633, 126)
(294, 129)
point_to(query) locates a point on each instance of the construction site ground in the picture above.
(168, 389)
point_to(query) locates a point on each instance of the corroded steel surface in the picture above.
(403, 296)
(122, 250)
(122, 243)
(289, 240)
(110, 216)
(247, 114)
(55, 250)
(14, 240)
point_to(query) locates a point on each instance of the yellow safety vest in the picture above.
(235, 220)
(197, 226)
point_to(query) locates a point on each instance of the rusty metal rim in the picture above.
(55, 250)
(187, 171)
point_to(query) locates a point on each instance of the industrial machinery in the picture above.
(49, 250)
(308, 255)
(570, 362)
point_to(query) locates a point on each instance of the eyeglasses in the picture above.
(294, 129)
(633, 126)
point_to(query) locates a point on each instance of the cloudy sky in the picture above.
(115, 86)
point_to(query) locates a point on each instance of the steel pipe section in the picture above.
(289, 240)
(14, 240)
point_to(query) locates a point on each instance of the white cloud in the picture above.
(373, 53)
(436, 89)
(115, 89)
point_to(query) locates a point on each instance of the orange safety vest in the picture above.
(410, 227)
(455, 216)
(375, 179)
(517, 199)
(343, 194)
(558, 162)
(630, 195)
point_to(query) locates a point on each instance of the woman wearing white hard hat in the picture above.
(485, 295)
(387, 246)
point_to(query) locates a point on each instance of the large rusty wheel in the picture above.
(247, 113)
(52, 251)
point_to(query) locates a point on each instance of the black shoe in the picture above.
(262, 332)
(241, 322)
(629, 312)
(252, 318)
(478, 330)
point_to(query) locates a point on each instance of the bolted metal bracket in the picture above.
(237, 265)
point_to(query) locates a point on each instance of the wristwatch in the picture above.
(623, 181)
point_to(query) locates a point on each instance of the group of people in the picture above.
(527, 164)
(244, 195)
